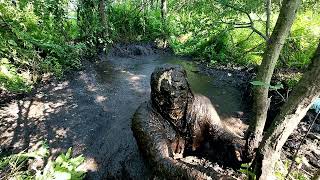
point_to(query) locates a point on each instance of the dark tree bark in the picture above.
(299, 102)
(270, 57)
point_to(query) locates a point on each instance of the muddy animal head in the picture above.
(170, 93)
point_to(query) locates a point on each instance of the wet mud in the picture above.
(91, 110)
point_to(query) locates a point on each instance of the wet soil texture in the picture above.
(91, 111)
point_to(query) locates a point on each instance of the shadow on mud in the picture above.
(91, 111)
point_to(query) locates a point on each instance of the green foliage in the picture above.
(13, 166)
(129, 23)
(303, 39)
(44, 36)
(64, 167)
(36, 38)
(90, 27)
(10, 80)
(246, 169)
(210, 30)
(293, 80)
(282, 169)
(280, 173)
(271, 87)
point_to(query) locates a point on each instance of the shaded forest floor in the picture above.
(91, 110)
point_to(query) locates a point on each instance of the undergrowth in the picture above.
(23, 165)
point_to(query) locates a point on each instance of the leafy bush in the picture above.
(64, 167)
(129, 23)
(282, 169)
(35, 38)
(206, 30)
(10, 80)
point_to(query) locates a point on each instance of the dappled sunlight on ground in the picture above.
(51, 115)
(91, 112)
(136, 82)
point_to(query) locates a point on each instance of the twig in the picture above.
(288, 93)
(304, 137)
(245, 39)
(283, 98)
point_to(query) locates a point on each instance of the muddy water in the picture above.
(91, 111)
(126, 82)
(224, 95)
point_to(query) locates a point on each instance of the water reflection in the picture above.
(114, 72)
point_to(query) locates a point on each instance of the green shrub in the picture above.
(35, 38)
(63, 167)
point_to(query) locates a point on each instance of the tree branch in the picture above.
(251, 23)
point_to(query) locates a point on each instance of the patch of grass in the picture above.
(10, 80)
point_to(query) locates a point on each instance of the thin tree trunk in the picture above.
(164, 10)
(270, 57)
(103, 17)
(268, 12)
(306, 92)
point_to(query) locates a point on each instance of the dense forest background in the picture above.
(42, 37)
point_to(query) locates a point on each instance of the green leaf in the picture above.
(62, 175)
(245, 165)
(12, 42)
(68, 154)
(277, 86)
(260, 83)
(77, 161)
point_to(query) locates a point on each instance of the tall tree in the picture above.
(103, 17)
(268, 20)
(266, 69)
(299, 102)
(164, 9)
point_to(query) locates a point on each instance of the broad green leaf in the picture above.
(277, 86)
(12, 42)
(68, 154)
(259, 83)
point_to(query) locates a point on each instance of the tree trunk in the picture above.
(103, 17)
(270, 57)
(299, 102)
(164, 9)
(164, 12)
(268, 12)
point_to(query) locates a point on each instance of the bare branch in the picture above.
(250, 19)
(259, 33)
(245, 39)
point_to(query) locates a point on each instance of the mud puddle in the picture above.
(91, 111)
